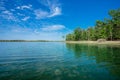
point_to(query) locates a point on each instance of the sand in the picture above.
(95, 42)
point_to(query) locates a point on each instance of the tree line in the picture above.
(108, 29)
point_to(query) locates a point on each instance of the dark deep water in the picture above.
(58, 61)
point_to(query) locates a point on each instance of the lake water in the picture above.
(58, 61)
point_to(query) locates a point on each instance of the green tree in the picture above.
(70, 37)
(108, 29)
(115, 22)
(77, 34)
(84, 35)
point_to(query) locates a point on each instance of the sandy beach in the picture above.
(95, 42)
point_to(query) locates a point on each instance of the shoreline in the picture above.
(29, 41)
(95, 42)
(70, 42)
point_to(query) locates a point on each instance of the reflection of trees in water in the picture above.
(77, 49)
(109, 55)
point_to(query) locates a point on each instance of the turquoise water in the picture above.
(58, 61)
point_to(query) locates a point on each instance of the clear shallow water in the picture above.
(58, 61)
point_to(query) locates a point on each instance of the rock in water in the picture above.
(101, 40)
(57, 72)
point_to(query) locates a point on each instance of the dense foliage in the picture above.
(108, 29)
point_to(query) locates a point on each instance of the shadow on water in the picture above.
(107, 56)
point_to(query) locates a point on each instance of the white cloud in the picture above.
(19, 14)
(8, 15)
(53, 28)
(5, 13)
(24, 7)
(40, 14)
(18, 7)
(54, 9)
(25, 18)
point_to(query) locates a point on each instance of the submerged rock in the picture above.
(57, 72)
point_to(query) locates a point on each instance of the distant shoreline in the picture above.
(95, 42)
(29, 41)
(71, 42)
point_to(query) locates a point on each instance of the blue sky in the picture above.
(50, 19)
